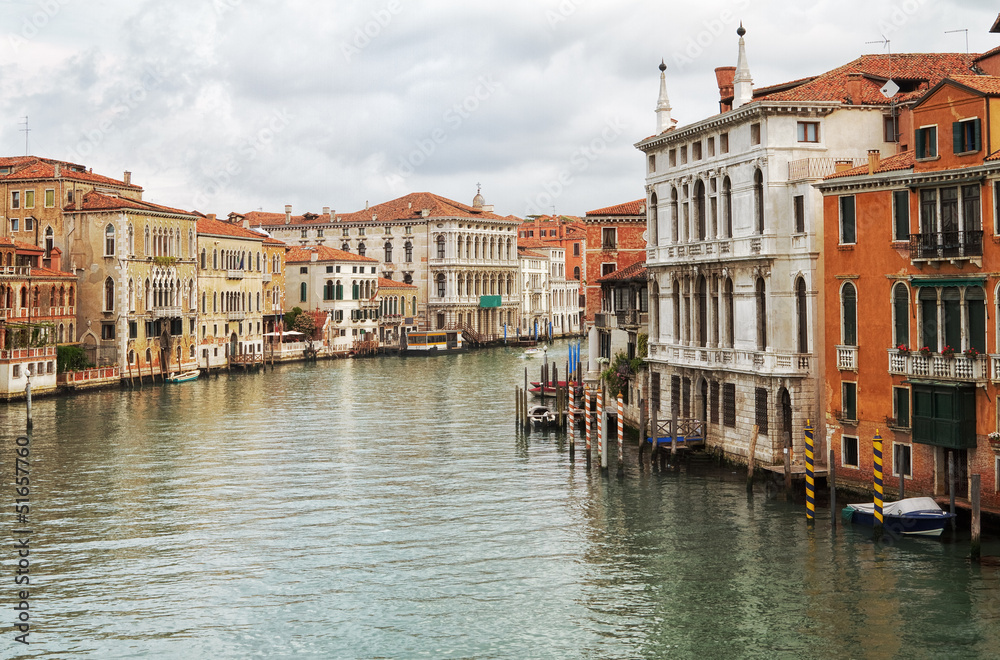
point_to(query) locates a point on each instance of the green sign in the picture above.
(489, 301)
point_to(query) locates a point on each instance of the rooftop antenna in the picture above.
(25, 130)
(966, 31)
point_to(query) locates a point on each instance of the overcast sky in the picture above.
(236, 105)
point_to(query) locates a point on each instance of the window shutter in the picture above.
(921, 140)
(978, 140)
(956, 137)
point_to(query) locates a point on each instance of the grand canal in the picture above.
(387, 508)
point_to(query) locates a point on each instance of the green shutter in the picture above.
(921, 139)
(956, 138)
(978, 140)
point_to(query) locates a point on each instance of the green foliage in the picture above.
(306, 324)
(617, 375)
(164, 261)
(642, 346)
(70, 357)
(291, 316)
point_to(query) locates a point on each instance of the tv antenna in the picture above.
(890, 88)
(25, 130)
(966, 31)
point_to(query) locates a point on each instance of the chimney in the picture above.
(210, 216)
(127, 178)
(874, 157)
(842, 165)
(326, 212)
(55, 259)
(314, 256)
(246, 222)
(288, 214)
(58, 167)
(724, 78)
(424, 213)
(855, 87)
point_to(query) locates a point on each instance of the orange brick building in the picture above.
(912, 256)
(565, 231)
(616, 239)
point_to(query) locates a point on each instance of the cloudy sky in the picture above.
(236, 105)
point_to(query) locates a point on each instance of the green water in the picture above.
(388, 508)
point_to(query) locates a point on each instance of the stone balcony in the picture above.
(712, 250)
(233, 274)
(165, 312)
(769, 363)
(847, 358)
(939, 367)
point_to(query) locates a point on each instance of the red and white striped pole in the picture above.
(600, 426)
(586, 418)
(571, 429)
(621, 431)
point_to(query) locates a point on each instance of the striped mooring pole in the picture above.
(570, 427)
(586, 418)
(877, 451)
(600, 426)
(810, 475)
(621, 432)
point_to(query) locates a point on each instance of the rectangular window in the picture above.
(338, 269)
(901, 406)
(926, 142)
(849, 451)
(696, 151)
(607, 269)
(902, 460)
(303, 270)
(50, 198)
(329, 269)
(608, 238)
(714, 402)
(729, 405)
(654, 390)
(901, 215)
(848, 228)
(346, 232)
(15, 199)
(800, 213)
(849, 402)
(890, 132)
(760, 409)
(361, 231)
(971, 219)
(754, 134)
(711, 147)
(576, 249)
(29, 224)
(651, 162)
(14, 224)
(304, 233)
(808, 131)
(675, 395)
(107, 331)
(966, 136)
(672, 157)
(133, 330)
(29, 199)
(684, 154)
(724, 143)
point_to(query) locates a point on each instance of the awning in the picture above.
(950, 281)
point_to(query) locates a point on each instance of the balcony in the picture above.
(817, 168)
(632, 318)
(233, 274)
(847, 358)
(165, 312)
(265, 277)
(947, 246)
(235, 316)
(713, 250)
(15, 271)
(768, 363)
(938, 367)
(606, 321)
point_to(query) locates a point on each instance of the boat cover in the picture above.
(900, 508)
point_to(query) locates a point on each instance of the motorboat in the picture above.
(917, 516)
(183, 376)
(541, 416)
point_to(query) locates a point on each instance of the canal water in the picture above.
(388, 508)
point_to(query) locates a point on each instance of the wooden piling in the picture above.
(517, 405)
(976, 550)
(788, 468)
(602, 429)
(587, 419)
(642, 427)
(831, 478)
(27, 399)
(750, 454)
(654, 449)
(951, 485)
(571, 427)
(673, 436)
(621, 435)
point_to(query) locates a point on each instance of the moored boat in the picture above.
(917, 516)
(183, 376)
(541, 416)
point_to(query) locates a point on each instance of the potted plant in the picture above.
(947, 351)
(926, 351)
(903, 349)
(994, 440)
(972, 353)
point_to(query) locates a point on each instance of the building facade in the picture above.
(615, 239)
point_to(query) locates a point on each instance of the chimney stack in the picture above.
(55, 259)
(326, 211)
(874, 158)
(58, 167)
(855, 87)
(127, 178)
(724, 78)
(842, 165)
(288, 214)
(210, 216)
(246, 222)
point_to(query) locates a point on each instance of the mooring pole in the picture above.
(976, 550)
(587, 419)
(602, 429)
(621, 434)
(571, 426)
(642, 426)
(654, 450)
(877, 455)
(27, 397)
(751, 452)
(810, 475)
(951, 485)
(831, 478)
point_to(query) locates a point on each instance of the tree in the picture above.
(291, 316)
(306, 324)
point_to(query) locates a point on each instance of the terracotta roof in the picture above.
(265, 219)
(530, 253)
(218, 228)
(95, 201)
(48, 272)
(636, 271)
(989, 85)
(384, 283)
(903, 161)
(21, 246)
(271, 240)
(638, 207)
(992, 51)
(302, 254)
(32, 167)
(920, 70)
(531, 243)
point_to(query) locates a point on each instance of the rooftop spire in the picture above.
(742, 82)
(663, 119)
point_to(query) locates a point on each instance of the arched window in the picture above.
(302, 292)
(699, 208)
(702, 293)
(328, 290)
(761, 315)
(975, 306)
(355, 290)
(408, 252)
(676, 295)
(388, 252)
(346, 247)
(440, 247)
(362, 249)
(651, 221)
(339, 290)
(849, 314)
(109, 295)
(727, 207)
(802, 314)
(215, 259)
(440, 285)
(758, 200)
(192, 248)
(576, 276)
(146, 246)
(204, 258)
(674, 230)
(109, 240)
(900, 315)
(131, 295)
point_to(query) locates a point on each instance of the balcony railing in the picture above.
(165, 312)
(946, 245)
(940, 367)
(233, 315)
(847, 358)
(632, 317)
(606, 321)
(233, 274)
(15, 271)
(817, 168)
(765, 362)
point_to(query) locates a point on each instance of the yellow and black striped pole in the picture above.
(877, 450)
(810, 475)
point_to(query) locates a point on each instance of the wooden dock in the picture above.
(798, 471)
